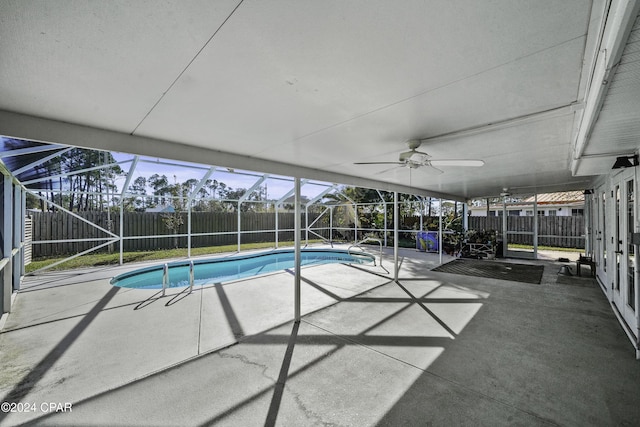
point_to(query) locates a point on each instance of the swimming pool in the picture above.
(209, 271)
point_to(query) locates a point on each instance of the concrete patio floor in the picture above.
(430, 349)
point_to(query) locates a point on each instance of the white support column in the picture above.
(239, 225)
(297, 251)
(121, 233)
(588, 227)
(440, 231)
(23, 195)
(505, 238)
(396, 221)
(7, 271)
(465, 217)
(188, 229)
(275, 208)
(17, 220)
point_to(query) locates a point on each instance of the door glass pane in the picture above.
(631, 291)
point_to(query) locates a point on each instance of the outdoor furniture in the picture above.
(478, 250)
(586, 260)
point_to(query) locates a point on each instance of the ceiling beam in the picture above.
(503, 124)
(32, 128)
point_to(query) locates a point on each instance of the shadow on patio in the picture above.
(430, 348)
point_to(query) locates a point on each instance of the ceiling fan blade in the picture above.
(390, 169)
(457, 162)
(379, 163)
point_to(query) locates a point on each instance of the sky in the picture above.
(276, 188)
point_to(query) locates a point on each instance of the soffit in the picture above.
(617, 130)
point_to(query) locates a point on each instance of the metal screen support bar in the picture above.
(67, 211)
(75, 172)
(297, 250)
(39, 162)
(395, 236)
(95, 248)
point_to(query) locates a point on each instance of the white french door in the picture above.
(623, 266)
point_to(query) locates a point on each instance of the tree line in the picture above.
(85, 180)
(82, 180)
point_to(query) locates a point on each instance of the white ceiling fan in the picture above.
(417, 159)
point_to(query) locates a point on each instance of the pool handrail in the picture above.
(366, 239)
(191, 276)
(165, 277)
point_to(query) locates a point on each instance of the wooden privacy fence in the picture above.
(556, 231)
(70, 235)
(65, 234)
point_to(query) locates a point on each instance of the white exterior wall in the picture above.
(542, 210)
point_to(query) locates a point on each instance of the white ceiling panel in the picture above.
(101, 63)
(267, 80)
(321, 85)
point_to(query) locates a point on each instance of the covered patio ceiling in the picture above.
(308, 88)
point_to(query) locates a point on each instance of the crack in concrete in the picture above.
(311, 415)
(245, 360)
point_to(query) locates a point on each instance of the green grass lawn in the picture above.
(96, 259)
(544, 248)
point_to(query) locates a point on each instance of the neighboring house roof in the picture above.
(568, 198)
(562, 198)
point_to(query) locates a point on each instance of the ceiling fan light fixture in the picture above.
(417, 157)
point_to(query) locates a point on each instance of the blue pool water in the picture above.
(208, 271)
